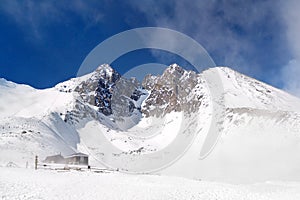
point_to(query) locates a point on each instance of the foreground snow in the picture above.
(17, 183)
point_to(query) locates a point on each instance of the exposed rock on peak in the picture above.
(172, 92)
(120, 97)
(97, 89)
(112, 94)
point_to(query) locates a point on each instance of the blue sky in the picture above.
(45, 42)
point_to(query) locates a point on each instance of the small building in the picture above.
(77, 159)
(73, 159)
(55, 159)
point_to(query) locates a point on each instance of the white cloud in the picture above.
(290, 74)
(212, 24)
(32, 16)
(291, 16)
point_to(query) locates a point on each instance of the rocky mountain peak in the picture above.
(110, 93)
(96, 89)
(117, 97)
(172, 91)
(107, 73)
(174, 69)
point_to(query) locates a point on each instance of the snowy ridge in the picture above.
(5, 83)
(242, 91)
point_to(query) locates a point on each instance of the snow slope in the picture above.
(259, 135)
(242, 91)
(30, 123)
(30, 184)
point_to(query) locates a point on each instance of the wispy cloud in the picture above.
(258, 37)
(229, 30)
(291, 72)
(32, 16)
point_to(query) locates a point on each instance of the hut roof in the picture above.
(55, 156)
(77, 155)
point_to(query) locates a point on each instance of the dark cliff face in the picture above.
(105, 87)
(126, 97)
(97, 89)
(175, 90)
(111, 93)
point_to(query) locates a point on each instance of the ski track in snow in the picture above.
(16, 183)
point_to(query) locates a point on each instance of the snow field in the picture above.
(17, 183)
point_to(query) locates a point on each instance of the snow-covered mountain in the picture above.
(216, 125)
